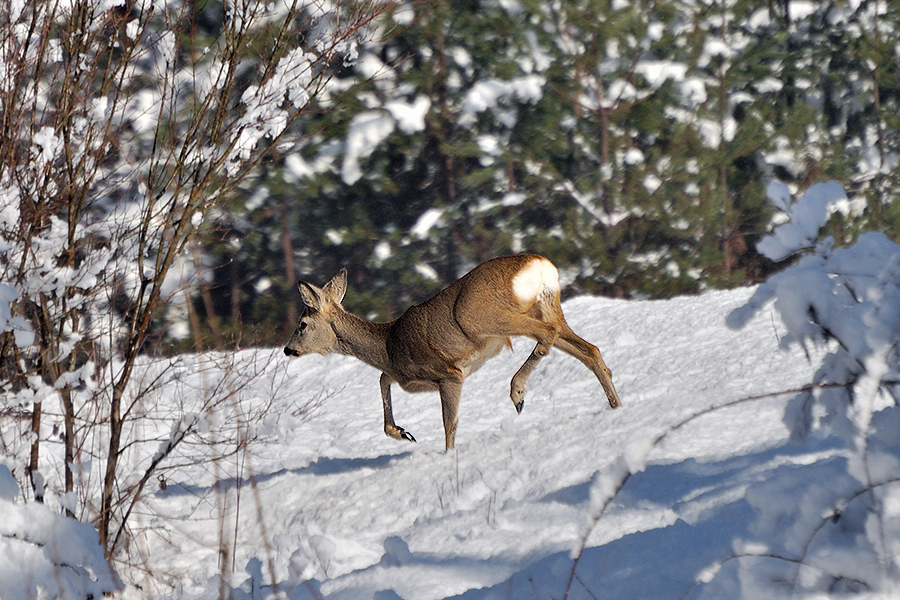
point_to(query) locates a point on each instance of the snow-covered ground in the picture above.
(338, 510)
(726, 475)
(660, 499)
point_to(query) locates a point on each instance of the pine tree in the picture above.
(630, 142)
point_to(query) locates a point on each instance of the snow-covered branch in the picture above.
(125, 126)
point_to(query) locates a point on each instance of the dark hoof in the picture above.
(406, 435)
(519, 405)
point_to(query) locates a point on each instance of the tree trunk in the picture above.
(69, 443)
(37, 484)
(289, 272)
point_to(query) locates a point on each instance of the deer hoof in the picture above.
(398, 433)
(517, 395)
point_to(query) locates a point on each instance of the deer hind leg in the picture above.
(570, 343)
(391, 428)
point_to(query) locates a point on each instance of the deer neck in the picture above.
(363, 339)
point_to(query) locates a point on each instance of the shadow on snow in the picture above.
(696, 512)
(322, 466)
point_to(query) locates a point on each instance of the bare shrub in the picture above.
(124, 125)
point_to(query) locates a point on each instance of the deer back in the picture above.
(471, 320)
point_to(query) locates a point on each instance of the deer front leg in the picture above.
(517, 386)
(391, 428)
(450, 389)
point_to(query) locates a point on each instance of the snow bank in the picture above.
(45, 555)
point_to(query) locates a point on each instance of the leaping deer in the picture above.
(435, 345)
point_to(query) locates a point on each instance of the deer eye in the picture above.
(303, 326)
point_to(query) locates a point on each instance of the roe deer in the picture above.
(434, 346)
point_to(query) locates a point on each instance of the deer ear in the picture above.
(337, 287)
(310, 295)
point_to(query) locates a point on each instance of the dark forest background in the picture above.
(629, 142)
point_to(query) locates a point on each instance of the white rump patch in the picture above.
(537, 278)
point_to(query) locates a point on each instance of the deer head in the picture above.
(315, 330)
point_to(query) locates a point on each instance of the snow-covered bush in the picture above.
(835, 526)
(46, 555)
(849, 297)
(124, 126)
(827, 525)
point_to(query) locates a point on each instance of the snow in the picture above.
(45, 555)
(426, 221)
(9, 489)
(652, 183)
(808, 214)
(427, 271)
(769, 85)
(657, 72)
(651, 499)
(488, 93)
(801, 10)
(410, 117)
(693, 89)
(20, 328)
(404, 14)
(476, 516)
(365, 132)
(619, 90)
(725, 475)
(264, 114)
(513, 199)
(633, 156)
(48, 145)
(382, 251)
